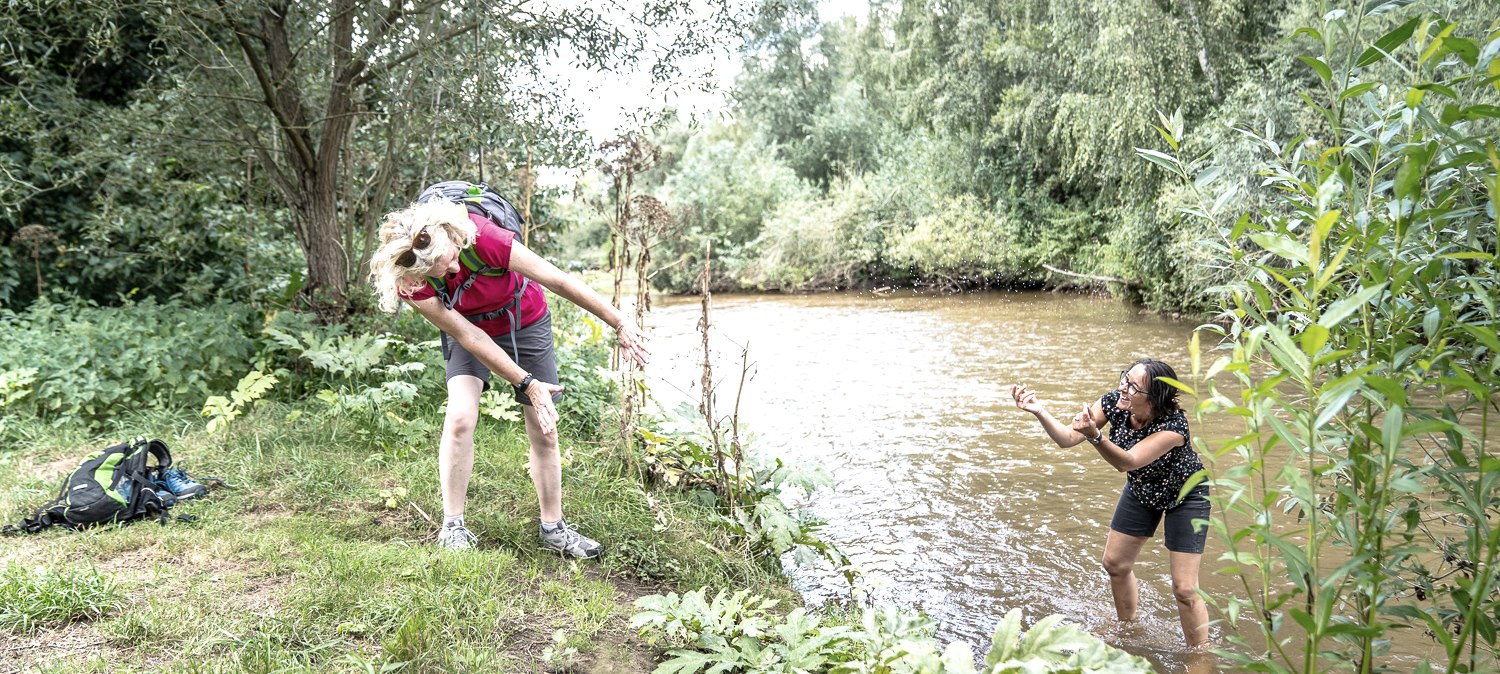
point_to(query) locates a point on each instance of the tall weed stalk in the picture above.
(1359, 348)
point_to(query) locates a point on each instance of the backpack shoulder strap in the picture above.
(51, 513)
(158, 449)
(44, 518)
(469, 258)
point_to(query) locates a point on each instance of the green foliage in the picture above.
(984, 140)
(222, 411)
(500, 405)
(830, 243)
(741, 633)
(322, 558)
(582, 367)
(752, 497)
(92, 362)
(1359, 339)
(94, 158)
(31, 599)
(336, 354)
(14, 383)
(723, 189)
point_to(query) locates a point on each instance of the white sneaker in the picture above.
(456, 537)
(566, 540)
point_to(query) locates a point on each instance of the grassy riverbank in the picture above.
(321, 558)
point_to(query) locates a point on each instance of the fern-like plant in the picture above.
(222, 411)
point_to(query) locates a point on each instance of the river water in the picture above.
(952, 501)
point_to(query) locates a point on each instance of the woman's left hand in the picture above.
(632, 343)
(1084, 423)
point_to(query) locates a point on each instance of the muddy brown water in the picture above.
(952, 501)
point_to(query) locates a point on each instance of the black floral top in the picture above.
(1155, 484)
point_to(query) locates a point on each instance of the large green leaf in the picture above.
(1341, 309)
(1388, 43)
(1283, 246)
(1319, 67)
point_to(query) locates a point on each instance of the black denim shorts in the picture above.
(1133, 518)
(534, 342)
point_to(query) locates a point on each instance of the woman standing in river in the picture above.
(1148, 439)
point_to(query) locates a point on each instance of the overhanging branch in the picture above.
(1092, 277)
(268, 89)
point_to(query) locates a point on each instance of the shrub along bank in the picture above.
(319, 557)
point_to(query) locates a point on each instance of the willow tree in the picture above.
(295, 82)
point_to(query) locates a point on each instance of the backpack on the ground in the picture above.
(115, 484)
(481, 200)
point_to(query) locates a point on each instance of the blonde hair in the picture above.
(445, 222)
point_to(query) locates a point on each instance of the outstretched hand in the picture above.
(540, 393)
(1085, 423)
(1025, 398)
(632, 343)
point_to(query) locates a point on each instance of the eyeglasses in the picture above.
(1128, 386)
(419, 242)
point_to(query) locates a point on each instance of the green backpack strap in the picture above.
(477, 267)
(470, 259)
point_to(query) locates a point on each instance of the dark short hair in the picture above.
(1163, 396)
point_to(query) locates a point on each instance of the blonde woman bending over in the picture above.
(492, 312)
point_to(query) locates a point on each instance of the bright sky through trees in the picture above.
(612, 102)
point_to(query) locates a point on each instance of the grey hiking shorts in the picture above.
(534, 342)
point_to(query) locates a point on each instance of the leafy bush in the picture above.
(1361, 343)
(965, 243)
(962, 244)
(831, 243)
(740, 633)
(92, 362)
(33, 599)
(582, 360)
(724, 187)
(752, 497)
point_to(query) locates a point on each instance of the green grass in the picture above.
(302, 566)
(34, 598)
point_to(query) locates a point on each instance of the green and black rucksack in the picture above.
(112, 485)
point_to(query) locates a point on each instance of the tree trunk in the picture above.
(305, 161)
(327, 284)
(311, 154)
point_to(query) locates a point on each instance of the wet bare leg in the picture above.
(1191, 608)
(1120, 551)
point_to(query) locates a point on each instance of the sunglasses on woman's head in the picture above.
(419, 242)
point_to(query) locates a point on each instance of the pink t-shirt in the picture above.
(493, 245)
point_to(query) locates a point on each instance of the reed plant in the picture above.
(1358, 346)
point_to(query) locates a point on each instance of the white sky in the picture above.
(611, 102)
